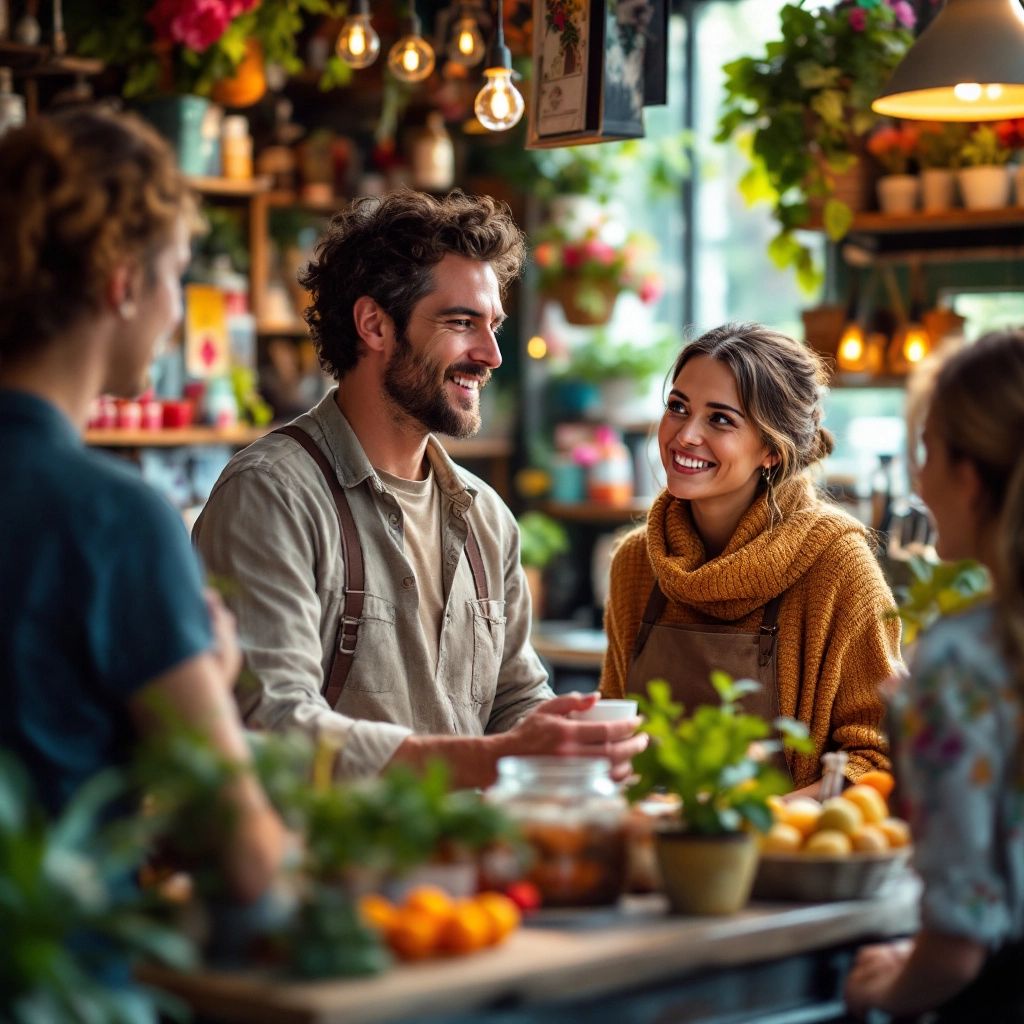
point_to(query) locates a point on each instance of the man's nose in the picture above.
(486, 350)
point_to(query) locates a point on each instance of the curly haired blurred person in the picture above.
(103, 613)
(958, 718)
(743, 566)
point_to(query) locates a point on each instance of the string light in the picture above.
(499, 104)
(466, 46)
(358, 44)
(411, 59)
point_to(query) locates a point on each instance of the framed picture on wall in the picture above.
(589, 74)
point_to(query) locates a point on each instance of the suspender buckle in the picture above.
(766, 644)
(346, 635)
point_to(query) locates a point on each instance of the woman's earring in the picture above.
(766, 474)
(128, 309)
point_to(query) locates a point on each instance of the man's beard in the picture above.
(417, 387)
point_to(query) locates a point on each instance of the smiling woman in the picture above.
(743, 567)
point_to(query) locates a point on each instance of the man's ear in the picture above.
(121, 289)
(373, 325)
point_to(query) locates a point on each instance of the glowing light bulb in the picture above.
(411, 59)
(499, 104)
(851, 348)
(467, 44)
(915, 343)
(358, 44)
(968, 92)
(536, 347)
(993, 92)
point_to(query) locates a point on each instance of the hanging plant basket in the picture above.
(584, 303)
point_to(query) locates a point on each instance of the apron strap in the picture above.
(476, 563)
(352, 553)
(657, 602)
(768, 631)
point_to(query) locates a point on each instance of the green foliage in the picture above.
(798, 109)
(984, 148)
(70, 913)
(119, 35)
(598, 171)
(541, 538)
(706, 759)
(939, 588)
(939, 144)
(602, 357)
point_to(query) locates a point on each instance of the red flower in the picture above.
(572, 257)
(559, 19)
(651, 290)
(196, 24)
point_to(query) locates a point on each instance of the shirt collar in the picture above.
(353, 467)
(20, 408)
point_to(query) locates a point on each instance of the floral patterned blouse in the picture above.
(956, 723)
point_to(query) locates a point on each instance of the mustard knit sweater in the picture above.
(835, 644)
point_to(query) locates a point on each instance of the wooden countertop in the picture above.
(580, 954)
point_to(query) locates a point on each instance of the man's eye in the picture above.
(461, 323)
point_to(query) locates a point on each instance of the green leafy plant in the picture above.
(939, 144)
(602, 357)
(799, 110)
(708, 759)
(541, 538)
(73, 923)
(984, 148)
(187, 46)
(939, 588)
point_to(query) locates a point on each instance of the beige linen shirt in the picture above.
(270, 529)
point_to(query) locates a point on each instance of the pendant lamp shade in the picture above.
(967, 65)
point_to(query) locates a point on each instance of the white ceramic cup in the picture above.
(607, 711)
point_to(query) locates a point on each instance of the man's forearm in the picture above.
(472, 760)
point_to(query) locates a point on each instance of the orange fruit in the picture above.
(502, 913)
(841, 815)
(801, 812)
(467, 930)
(430, 900)
(378, 912)
(414, 934)
(880, 780)
(829, 842)
(871, 803)
(782, 838)
(869, 839)
(896, 831)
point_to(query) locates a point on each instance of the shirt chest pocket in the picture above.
(488, 646)
(374, 668)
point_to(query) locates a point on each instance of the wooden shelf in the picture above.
(283, 198)
(231, 188)
(944, 220)
(592, 512)
(236, 437)
(32, 61)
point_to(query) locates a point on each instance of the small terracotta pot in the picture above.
(707, 874)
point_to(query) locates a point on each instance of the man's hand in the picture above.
(226, 651)
(873, 973)
(548, 730)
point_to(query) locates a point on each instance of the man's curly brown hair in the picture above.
(80, 192)
(387, 248)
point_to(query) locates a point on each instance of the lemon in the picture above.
(840, 815)
(829, 842)
(869, 839)
(896, 831)
(871, 803)
(782, 838)
(801, 812)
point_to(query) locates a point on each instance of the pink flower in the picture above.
(237, 7)
(651, 289)
(904, 13)
(196, 24)
(858, 19)
(599, 252)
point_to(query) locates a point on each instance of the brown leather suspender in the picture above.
(352, 553)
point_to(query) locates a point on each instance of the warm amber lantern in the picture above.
(909, 346)
(852, 353)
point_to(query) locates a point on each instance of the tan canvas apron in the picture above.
(685, 656)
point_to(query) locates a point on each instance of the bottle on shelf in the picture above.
(236, 148)
(610, 481)
(12, 106)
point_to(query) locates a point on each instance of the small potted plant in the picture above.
(586, 273)
(893, 147)
(801, 110)
(541, 538)
(938, 156)
(984, 177)
(717, 761)
(937, 589)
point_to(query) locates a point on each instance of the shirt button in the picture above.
(393, 519)
(409, 582)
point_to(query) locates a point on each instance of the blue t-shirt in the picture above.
(100, 593)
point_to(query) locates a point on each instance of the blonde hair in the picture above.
(977, 408)
(80, 193)
(781, 383)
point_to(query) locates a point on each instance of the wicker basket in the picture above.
(804, 877)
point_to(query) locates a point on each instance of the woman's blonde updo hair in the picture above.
(977, 409)
(80, 193)
(780, 382)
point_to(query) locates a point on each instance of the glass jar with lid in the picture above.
(574, 820)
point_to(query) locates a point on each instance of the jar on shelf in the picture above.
(573, 819)
(236, 148)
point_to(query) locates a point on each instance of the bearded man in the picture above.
(377, 585)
